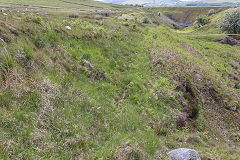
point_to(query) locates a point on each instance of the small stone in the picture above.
(199, 77)
(68, 27)
(87, 64)
(41, 123)
(183, 154)
(5, 14)
(2, 40)
(233, 108)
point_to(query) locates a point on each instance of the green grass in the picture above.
(63, 7)
(102, 86)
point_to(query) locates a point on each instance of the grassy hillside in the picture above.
(211, 29)
(113, 89)
(61, 7)
(60, 3)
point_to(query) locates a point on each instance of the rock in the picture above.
(183, 154)
(68, 27)
(5, 14)
(233, 108)
(199, 77)
(2, 40)
(88, 65)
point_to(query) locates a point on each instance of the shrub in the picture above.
(211, 12)
(202, 21)
(34, 18)
(231, 21)
(146, 20)
(37, 20)
(134, 26)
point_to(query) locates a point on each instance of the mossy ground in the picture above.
(107, 84)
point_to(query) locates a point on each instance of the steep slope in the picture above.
(111, 89)
(184, 16)
(213, 27)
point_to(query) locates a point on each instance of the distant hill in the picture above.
(164, 3)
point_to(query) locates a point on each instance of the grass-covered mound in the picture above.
(112, 89)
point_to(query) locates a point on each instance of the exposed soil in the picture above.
(180, 24)
(231, 40)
